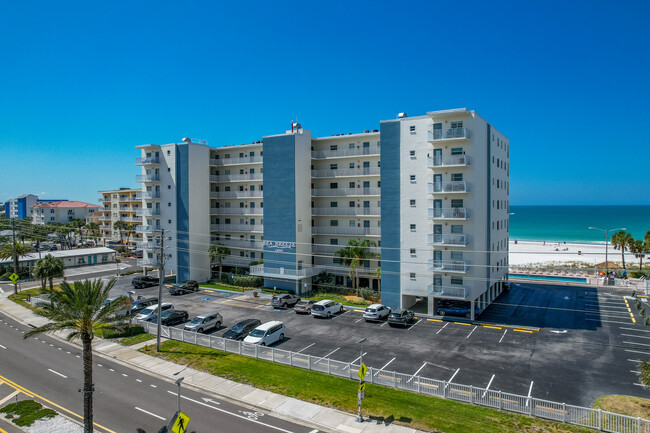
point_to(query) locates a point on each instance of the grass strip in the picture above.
(21, 297)
(26, 412)
(340, 298)
(130, 341)
(382, 404)
(625, 405)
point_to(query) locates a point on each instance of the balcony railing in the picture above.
(134, 219)
(147, 160)
(448, 187)
(353, 231)
(237, 261)
(341, 153)
(293, 274)
(233, 161)
(452, 213)
(447, 292)
(448, 161)
(145, 229)
(147, 245)
(237, 211)
(104, 227)
(236, 177)
(147, 195)
(236, 194)
(237, 228)
(448, 134)
(345, 192)
(243, 244)
(455, 266)
(346, 211)
(448, 239)
(147, 178)
(147, 212)
(347, 172)
(147, 262)
(331, 249)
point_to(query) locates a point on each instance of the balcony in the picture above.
(350, 231)
(234, 161)
(448, 134)
(347, 172)
(236, 194)
(237, 261)
(451, 266)
(129, 199)
(346, 211)
(447, 292)
(345, 192)
(147, 262)
(105, 227)
(147, 212)
(452, 213)
(451, 240)
(147, 178)
(149, 160)
(146, 229)
(286, 273)
(448, 161)
(237, 211)
(131, 219)
(147, 195)
(236, 177)
(241, 244)
(331, 249)
(147, 245)
(344, 153)
(258, 228)
(451, 187)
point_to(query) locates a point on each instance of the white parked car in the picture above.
(326, 308)
(376, 312)
(150, 313)
(266, 334)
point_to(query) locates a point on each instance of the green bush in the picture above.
(368, 294)
(642, 311)
(24, 413)
(128, 332)
(646, 320)
(638, 305)
(247, 281)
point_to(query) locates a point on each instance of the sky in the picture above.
(83, 83)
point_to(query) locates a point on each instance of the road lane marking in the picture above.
(110, 369)
(138, 380)
(376, 373)
(125, 375)
(10, 396)
(99, 365)
(453, 375)
(471, 332)
(304, 348)
(56, 372)
(150, 413)
(2, 346)
(504, 334)
(442, 328)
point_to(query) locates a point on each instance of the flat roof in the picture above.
(62, 254)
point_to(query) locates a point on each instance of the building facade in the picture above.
(285, 204)
(61, 211)
(123, 205)
(21, 207)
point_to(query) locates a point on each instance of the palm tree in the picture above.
(130, 231)
(48, 268)
(639, 248)
(355, 254)
(93, 229)
(622, 240)
(219, 252)
(377, 275)
(80, 309)
(120, 226)
(7, 251)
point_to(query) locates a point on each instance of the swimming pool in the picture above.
(549, 278)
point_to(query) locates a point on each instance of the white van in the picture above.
(267, 333)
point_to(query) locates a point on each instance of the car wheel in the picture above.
(281, 337)
(329, 314)
(263, 344)
(200, 331)
(442, 312)
(284, 305)
(218, 325)
(341, 310)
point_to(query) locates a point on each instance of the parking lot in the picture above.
(561, 343)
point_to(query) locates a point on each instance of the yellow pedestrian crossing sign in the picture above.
(362, 371)
(362, 387)
(13, 278)
(180, 424)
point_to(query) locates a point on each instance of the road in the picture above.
(125, 400)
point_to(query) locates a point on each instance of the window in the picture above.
(168, 153)
(333, 147)
(241, 154)
(412, 128)
(457, 177)
(457, 151)
(457, 202)
(456, 280)
(456, 125)
(334, 204)
(351, 184)
(351, 146)
(251, 154)
(366, 224)
(412, 153)
(412, 178)
(169, 187)
(457, 229)
(334, 241)
(334, 185)
(252, 187)
(412, 203)
(252, 205)
(351, 203)
(334, 223)
(412, 276)
(241, 204)
(241, 171)
(412, 227)
(252, 171)
(412, 251)
(351, 165)
(366, 144)
(227, 220)
(366, 184)
(457, 255)
(169, 204)
(352, 223)
(366, 204)
(169, 221)
(366, 164)
(334, 166)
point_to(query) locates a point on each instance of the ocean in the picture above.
(571, 223)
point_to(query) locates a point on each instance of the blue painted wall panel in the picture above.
(182, 211)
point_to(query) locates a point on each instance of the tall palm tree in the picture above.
(639, 248)
(48, 268)
(377, 275)
(92, 228)
(120, 226)
(80, 308)
(219, 252)
(130, 231)
(14, 250)
(354, 255)
(622, 240)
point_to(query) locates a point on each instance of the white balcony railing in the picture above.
(448, 134)
(132, 219)
(347, 172)
(149, 160)
(352, 231)
(447, 292)
(147, 212)
(147, 262)
(236, 194)
(448, 187)
(147, 178)
(232, 161)
(345, 192)
(147, 195)
(147, 245)
(341, 153)
(242, 244)
(448, 161)
(145, 229)
(452, 213)
(453, 266)
(458, 240)
(236, 177)
(346, 211)
(331, 249)
(281, 272)
(258, 228)
(236, 211)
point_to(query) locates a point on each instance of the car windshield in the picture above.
(257, 333)
(396, 315)
(318, 307)
(370, 310)
(238, 327)
(302, 303)
(148, 311)
(196, 321)
(167, 313)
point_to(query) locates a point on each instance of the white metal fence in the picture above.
(561, 412)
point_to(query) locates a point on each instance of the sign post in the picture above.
(362, 388)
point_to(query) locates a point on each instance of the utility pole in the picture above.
(13, 232)
(161, 281)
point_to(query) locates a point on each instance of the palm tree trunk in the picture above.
(51, 283)
(623, 256)
(88, 382)
(219, 269)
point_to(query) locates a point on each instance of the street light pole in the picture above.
(178, 382)
(161, 278)
(606, 248)
(360, 342)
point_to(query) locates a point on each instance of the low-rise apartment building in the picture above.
(124, 207)
(61, 211)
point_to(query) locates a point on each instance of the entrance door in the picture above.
(437, 157)
(437, 258)
(437, 183)
(437, 233)
(437, 208)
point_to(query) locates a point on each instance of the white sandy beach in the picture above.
(533, 252)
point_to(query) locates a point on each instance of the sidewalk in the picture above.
(283, 407)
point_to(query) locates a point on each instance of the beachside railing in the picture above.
(560, 412)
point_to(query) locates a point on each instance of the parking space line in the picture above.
(616, 315)
(413, 325)
(325, 357)
(357, 321)
(607, 321)
(304, 348)
(634, 329)
(637, 351)
(442, 328)
(378, 371)
(339, 315)
(470, 333)
(530, 390)
(383, 324)
(635, 336)
(636, 344)
(488, 386)
(634, 360)
(504, 334)
(420, 369)
(453, 375)
(358, 357)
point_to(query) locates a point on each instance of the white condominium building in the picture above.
(61, 211)
(285, 204)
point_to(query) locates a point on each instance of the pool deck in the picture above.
(591, 280)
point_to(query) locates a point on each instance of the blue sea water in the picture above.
(571, 223)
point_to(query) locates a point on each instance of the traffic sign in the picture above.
(180, 423)
(362, 387)
(362, 371)
(13, 277)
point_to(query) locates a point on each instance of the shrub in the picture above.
(128, 332)
(247, 281)
(646, 320)
(368, 294)
(642, 311)
(638, 305)
(644, 369)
